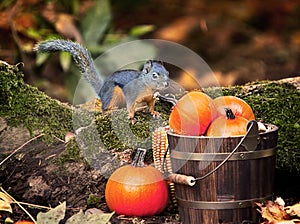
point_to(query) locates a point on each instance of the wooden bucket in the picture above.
(229, 194)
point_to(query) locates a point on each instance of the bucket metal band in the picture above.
(220, 205)
(247, 155)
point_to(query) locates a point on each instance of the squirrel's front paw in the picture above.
(155, 113)
(132, 119)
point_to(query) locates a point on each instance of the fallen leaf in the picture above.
(286, 222)
(5, 202)
(80, 217)
(8, 220)
(53, 216)
(5, 197)
(5, 206)
(276, 210)
(278, 200)
(93, 211)
(293, 210)
(273, 212)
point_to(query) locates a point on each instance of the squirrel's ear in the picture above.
(147, 66)
(160, 62)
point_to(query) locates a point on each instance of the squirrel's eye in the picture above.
(155, 75)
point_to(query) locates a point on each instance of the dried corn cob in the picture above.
(162, 160)
(159, 146)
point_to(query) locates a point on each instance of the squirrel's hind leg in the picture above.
(131, 106)
(112, 99)
(131, 112)
(105, 99)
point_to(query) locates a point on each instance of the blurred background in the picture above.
(241, 40)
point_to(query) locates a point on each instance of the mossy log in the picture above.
(275, 102)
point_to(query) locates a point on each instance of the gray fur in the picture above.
(80, 55)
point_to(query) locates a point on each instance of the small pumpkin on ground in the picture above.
(136, 189)
(229, 125)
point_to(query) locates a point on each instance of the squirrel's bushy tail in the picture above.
(80, 55)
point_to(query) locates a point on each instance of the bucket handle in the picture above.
(248, 143)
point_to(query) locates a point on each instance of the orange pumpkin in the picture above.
(238, 106)
(229, 125)
(136, 190)
(192, 114)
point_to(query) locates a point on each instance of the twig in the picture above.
(33, 205)
(59, 139)
(15, 151)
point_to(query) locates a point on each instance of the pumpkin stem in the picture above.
(229, 114)
(139, 157)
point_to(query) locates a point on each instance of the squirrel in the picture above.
(137, 86)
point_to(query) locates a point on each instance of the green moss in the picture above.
(214, 92)
(117, 132)
(94, 200)
(22, 104)
(278, 104)
(72, 153)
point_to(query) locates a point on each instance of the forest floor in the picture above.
(33, 175)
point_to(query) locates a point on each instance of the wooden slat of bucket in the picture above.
(202, 190)
(210, 194)
(252, 178)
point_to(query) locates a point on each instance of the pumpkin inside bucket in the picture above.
(227, 195)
